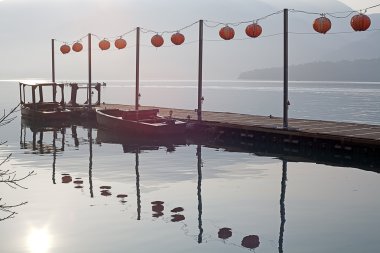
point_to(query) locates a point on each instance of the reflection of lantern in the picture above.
(253, 30)
(157, 40)
(322, 25)
(77, 47)
(177, 38)
(66, 179)
(120, 43)
(360, 22)
(227, 33)
(177, 210)
(177, 218)
(224, 233)
(250, 241)
(104, 44)
(65, 49)
(158, 208)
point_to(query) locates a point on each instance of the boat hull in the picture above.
(45, 115)
(145, 125)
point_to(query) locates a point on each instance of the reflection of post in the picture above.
(90, 162)
(63, 132)
(40, 142)
(138, 185)
(75, 135)
(199, 192)
(54, 155)
(34, 141)
(282, 205)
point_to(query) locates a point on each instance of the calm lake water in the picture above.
(88, 195)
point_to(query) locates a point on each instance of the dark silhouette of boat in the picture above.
(41, 110)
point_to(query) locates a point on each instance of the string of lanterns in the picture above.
(359, 23)
(322, 24)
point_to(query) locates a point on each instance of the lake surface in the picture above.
(88, 195)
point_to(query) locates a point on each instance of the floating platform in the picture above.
(250, 129)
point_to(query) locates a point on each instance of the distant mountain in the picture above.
(357, 71)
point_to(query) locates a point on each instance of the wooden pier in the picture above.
(328, 135)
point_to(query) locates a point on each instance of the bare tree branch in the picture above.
(6, 119)
(11, 180)
(9, 177)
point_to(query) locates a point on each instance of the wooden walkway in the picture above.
(362, 134)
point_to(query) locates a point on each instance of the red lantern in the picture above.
(104, 44)
(77, 47)
(120, 43)
(253, 30)
(360, 22)
(157, 40)
(227, 33)
(65, 49)
(177, 38)
(322, 25)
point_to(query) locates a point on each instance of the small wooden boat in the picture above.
(43, 111)
(142, 122)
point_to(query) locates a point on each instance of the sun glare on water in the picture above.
(39, 241)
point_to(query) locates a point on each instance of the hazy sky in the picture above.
(358, 4)
(29, 25)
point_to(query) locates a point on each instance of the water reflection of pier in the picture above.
(249, 241)
(57, 145)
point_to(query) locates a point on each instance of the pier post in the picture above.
(200, 61)
(52, 62)
(286, 99)
(89, 100)
(137, 95)
(53, 70)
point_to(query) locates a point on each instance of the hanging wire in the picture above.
(183, 44)
(345, 16)
(72, 42)
(248, 38)
(334, 14)
(114, 37)
(143, 30)
(213, 24)
(217, 23)
(333, 33)
(371, 7)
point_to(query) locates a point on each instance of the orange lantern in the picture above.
(77, 47)
(322, 25)
(253, 30)
(227, 33)
(104, 44)
(360, 22)
(157, 40)
(65, 49)
(120, 43)
(177, 38)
